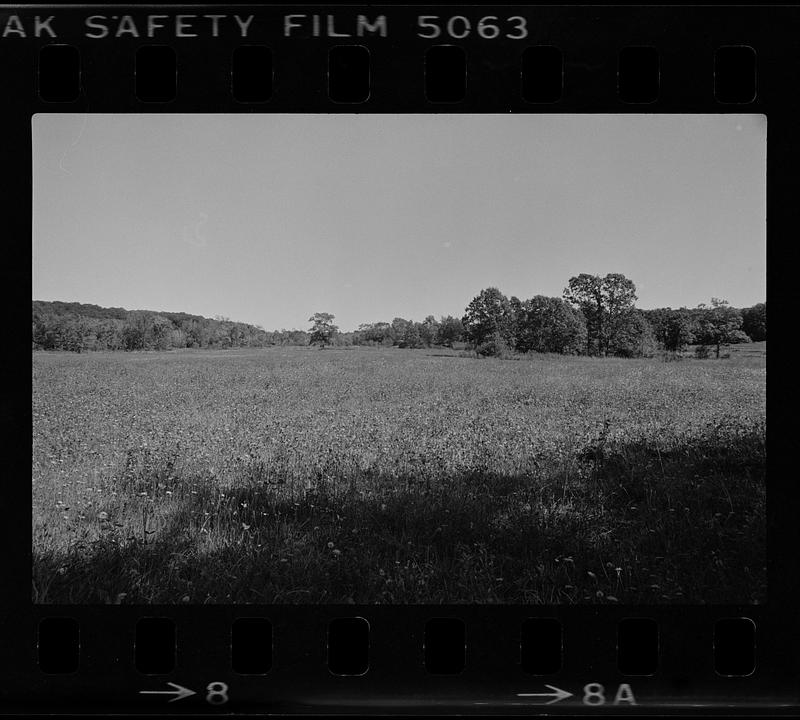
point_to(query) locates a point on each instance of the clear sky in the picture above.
(270, 218)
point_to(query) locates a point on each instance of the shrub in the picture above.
(738, 337)
(495, 346)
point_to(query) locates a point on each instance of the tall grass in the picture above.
(370, 475)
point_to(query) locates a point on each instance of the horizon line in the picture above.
(296, 329)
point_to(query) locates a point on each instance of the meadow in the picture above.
(367, 475)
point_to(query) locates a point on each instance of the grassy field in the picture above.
(294, 475)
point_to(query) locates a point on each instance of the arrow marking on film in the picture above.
(558, 694)
(179, 692)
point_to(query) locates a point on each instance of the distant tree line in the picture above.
(708, 326)
(595, 316)
(78, 327)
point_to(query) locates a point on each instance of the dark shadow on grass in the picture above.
(620, 522)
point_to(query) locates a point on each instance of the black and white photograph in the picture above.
(399, 359)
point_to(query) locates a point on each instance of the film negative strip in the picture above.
(517, 466)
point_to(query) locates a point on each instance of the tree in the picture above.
(674, 329)
(135, 331)
(488, 316)
(376, 333)
(449, 331)
(161, 332)
(754, 322)
(411, 336)
(518, 324)
(547, 325)
(195, 332)
(399, 326)
(300, 337)
(606, 303)
(720, 324)
(428, 330)
(635, 337)
(72, 334)
(322, 329)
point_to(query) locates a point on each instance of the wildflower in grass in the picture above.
(330, 546)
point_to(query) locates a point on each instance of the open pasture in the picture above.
(361, 475)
